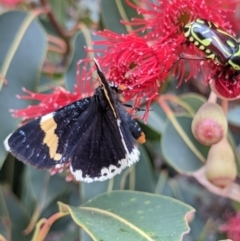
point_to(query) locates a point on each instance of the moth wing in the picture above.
(131, 124)
(50, 139)
(105, 150)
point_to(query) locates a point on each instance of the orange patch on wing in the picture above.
(142, 138)
(48, 126)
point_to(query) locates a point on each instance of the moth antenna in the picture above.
(97, 66)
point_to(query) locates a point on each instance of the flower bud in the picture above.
(220, 167)
(209, 125)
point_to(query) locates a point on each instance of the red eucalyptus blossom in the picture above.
(232, 227)
(225, 83)
(132, 61)
(143, 63)
(233, 16)
(164, 22)
(10, 3)
(58, 98)
(47, 102)
(166, 18)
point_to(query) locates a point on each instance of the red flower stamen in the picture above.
(163, 18)
(232, 227)
(11, 3)
(59, 98)
(136, 63)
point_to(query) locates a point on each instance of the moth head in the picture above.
(117, 88)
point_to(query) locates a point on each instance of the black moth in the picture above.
(95, 135)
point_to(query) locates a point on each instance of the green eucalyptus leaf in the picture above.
(121, 181)
(115, 11)
(179, 147)
(81, 39)
(91, 190)
(156, 119)
(234, 116)
(5, 222)
(41, 192)
(129, 215)
(195, 101)
(18, 215)
(22, 49)
(78, 53)
(59, 9)
(144, 176)
(71, 233)
(150, 133)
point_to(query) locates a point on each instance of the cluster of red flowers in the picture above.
(232, 227)
(143, 58)
(60, 97)
(10, 3)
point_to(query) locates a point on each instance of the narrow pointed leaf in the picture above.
(5, 222)
(22, 48)
(195, 101)
(115, 11)
(144, 169)
(181, 150)
(18, 215)
(233, 116)
(156, 119)
(81, 40)
(38, 195)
